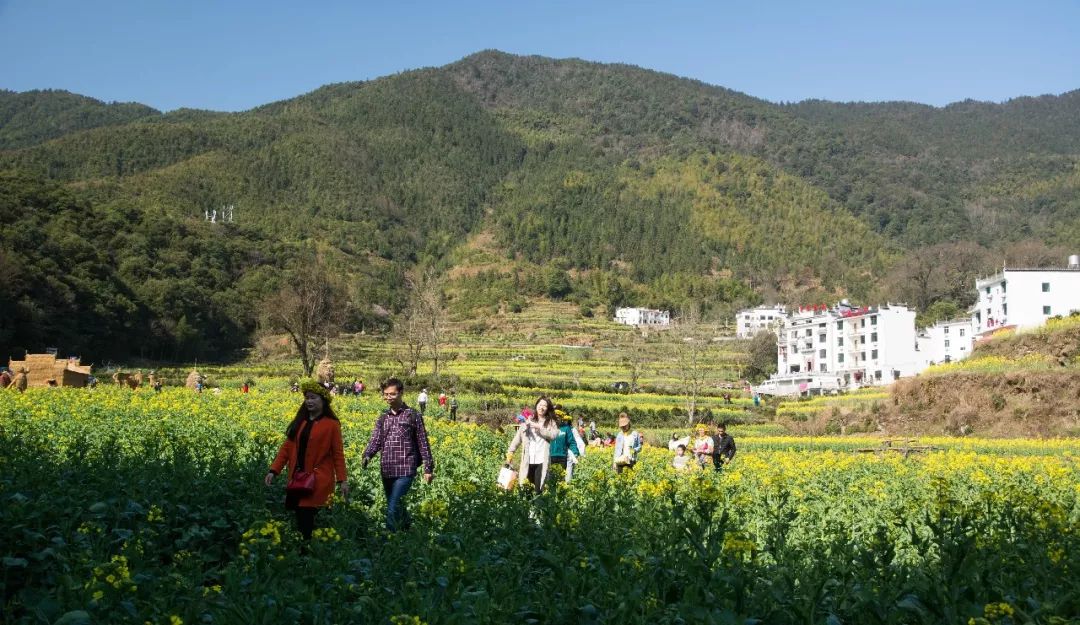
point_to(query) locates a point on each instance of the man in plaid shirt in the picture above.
(400, 437)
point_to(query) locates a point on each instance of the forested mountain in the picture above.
(605, 184)
(32, 117)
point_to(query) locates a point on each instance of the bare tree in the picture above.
(310, 307)
(410, 339)
(422, 325)
(691, 351)
(942, 271)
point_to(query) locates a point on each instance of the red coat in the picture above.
(325, 456)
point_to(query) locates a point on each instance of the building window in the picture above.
(862, 340)
(946, 343)
(862, 323)
(946, 329)
(988, 290)
(873, 354)
(877, 375)
(862, 356)
(824, 369)
(1003, 287)
(839, 358)
(873, 337)
(839, 325)
(821, 353)
(961, 332)
(1046, 287)
(809, 332)
(840, 341)
(821, 338)
(873, 320)
(1046, 310)
(1004, 310)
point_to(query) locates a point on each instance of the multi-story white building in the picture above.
(844, 348)
(753, 320)
(642, 317)
(946, 341)
(1026, 298)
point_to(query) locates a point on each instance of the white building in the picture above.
(753, 320)
(946, 341)
(1026, 298)
(844, 348)
(642, 317)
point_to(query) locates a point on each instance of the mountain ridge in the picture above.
(604, 184)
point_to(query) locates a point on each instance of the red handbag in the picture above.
(301, 484)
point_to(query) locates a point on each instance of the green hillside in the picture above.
(32, 117)
(597, 184)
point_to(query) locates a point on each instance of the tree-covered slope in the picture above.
(31, 117)
(604, 184)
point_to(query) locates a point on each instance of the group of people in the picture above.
(546, 436)
(448, 404)
(715, 449)
(314, 454)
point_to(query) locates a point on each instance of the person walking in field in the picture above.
(703, 445)
(421, 401)
(564, 445)
(315, 456)
(627, 445)
(453, 406)
(723, 447)
(534, 436)
(5, 377)
(401, 441)
(681, 461)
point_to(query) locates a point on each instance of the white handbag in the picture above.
(507, 477)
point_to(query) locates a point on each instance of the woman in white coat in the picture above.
(534, 436)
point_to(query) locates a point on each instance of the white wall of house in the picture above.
(1025, 298)
(642, 317)
(846, 347)
(753, 320)
(946, 341)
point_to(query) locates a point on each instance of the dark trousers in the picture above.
(534, 475)
(305, 521)
(619, 468)
(556, 460)
(397, 515)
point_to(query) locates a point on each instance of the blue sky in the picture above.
(233, 55)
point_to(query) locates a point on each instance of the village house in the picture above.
(642, 317)
(946, 341)
(841, 348)
(1025, 298)
(753, 320)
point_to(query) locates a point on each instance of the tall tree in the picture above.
(310, 307)
(691, 357)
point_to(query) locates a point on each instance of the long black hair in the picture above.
(302, 413)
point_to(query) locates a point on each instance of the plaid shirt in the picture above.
(402, 441)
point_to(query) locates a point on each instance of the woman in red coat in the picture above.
(312, 444)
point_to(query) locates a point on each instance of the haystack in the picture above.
(325, 371)
(193, 379)
(40, 368)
